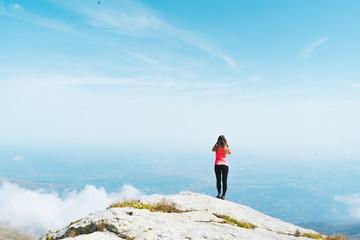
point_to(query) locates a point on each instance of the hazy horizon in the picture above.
(295, 191)
(273, 77)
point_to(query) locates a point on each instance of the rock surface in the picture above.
(198, 221)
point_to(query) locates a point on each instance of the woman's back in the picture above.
(221, 157)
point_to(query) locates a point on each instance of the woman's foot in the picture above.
(223, 197)
(218, 196)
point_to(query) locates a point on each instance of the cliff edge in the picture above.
(186, 215)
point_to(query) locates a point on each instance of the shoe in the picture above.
(218, 196)
(223, 197)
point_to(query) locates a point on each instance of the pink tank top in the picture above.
(221, 157)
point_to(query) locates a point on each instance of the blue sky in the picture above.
(276, 77)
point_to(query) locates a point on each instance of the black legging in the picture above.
(221, 170)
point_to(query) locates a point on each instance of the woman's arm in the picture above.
(227, 150)
(215, 147)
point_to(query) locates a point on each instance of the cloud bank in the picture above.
(352, 201)
(39, 211)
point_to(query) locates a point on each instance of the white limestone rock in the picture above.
(198, 222)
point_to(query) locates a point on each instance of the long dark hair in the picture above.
(221, 142)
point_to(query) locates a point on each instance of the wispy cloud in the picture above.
(309, 49)
(356, 85)
(17, 6)
(231, 62)
(154, 62)
(255, 79)
(137, 87)
(133, 19)
(18, 158)
(353, 203)
(18, 11)
(147, 59)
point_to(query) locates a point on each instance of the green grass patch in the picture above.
(163, 206)
(233, 221)
(321, 237)
(337, 237)
(74, 222)
(313, 236)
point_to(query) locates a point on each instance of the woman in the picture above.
(221, 165)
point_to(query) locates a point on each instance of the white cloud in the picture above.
(124, 23)
(255, 79)
(18, 158)
(132, 18)
(356, 85)
(231, 62)
(352, 201)
(39, 211)
(19, 12)
(153, 61)
(308, 50)
(147, 59)
(149, 83)
(17, 6)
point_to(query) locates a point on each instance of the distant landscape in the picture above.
(352, 230)
(275, 188)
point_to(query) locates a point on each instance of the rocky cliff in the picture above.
(186, 215)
